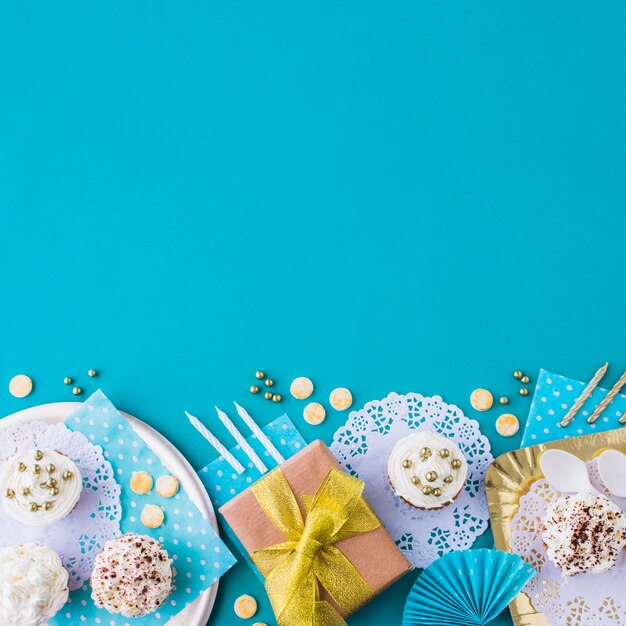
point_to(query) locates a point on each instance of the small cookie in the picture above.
(20, 386)
(341, 399)
(152, 516)
(167, 486)
(301, 388)
(314, 413)
(507, 425)
(141, 483)
(259, 624)
(245, 607)
(481, 399)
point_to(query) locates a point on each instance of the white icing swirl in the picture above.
(22, 488)
(33, 585)
(408, 449)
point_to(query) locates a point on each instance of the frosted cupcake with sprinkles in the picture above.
(427, 470)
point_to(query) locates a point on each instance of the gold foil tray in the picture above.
(510, 477)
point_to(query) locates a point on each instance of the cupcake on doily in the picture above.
(584, 533)
(427, 470)
(132, 576)
(33, 585)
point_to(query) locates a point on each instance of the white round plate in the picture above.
(198, 612)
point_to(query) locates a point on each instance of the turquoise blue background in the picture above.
(387, 196)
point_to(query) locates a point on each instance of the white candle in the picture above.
(241, 440)
(259, 434)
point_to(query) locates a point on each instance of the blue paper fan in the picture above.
(466, 588)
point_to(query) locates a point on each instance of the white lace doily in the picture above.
(81, 535)
(584, 599)
(363, 445)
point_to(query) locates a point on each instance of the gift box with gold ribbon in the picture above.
(318, 544)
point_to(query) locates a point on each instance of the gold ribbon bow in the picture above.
(293, 569)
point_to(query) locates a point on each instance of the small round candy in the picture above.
(254, 389)
(20, 386)
(152, 516)
(269, 382)
(268, 395)
(523, 391)
(277, 397)
(517, 374)
(141, 483)
(340, 399)
(314, 413)
(92, 373)
(67, 380)
(301, 388)
(481, 399)
(245, 607)
(504, 400)
(77, 391)
(260, 375)
(507, 425)
(167, 486)
(525, 380)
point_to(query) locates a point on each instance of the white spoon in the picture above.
(612, 468)
(566, 472)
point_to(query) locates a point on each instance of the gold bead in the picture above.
(51, 482)
(415, 480)
(525, 379)
(425, 453)
(67, 475)
(34, 507)
(431, 477)
(50, 468)
(38, 455)
(67, 380)
(21, 467)
(54, 491)
(455, 464)
(254, 389)
(444, 454)
(77, 391)
(277, 397)
(260, 375)
(448, 479)
(504, 400)
(92, 373)
(517, 374)
(523, 391)
(47, 506)
(26, 491)
(36, 468)
(406, 463)
(268, 395)
(9, 493)
(427, 490)
(436, 492)
(269, 382)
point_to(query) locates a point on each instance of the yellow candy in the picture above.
(301, 388)
(314, 413)
(341, 399)
(141, 483)
(152, 516)
(481, 399)
(167, 486)
(507, 425)
(20, 386)
(245, 606)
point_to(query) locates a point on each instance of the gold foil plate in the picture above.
(510, 477)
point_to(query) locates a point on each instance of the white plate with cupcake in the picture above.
(48, 476)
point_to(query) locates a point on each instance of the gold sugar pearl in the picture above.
(50, 469)
(34, 507)
(525, 379)
(427, 490)
(523, 391)
(26, 491)
(21, 467)
(268, 395)
(455, 464)
(51, 482)
(54, 491)
(431, 477)
(277, 397)
(269, 382)
(436, 492)
(254, 389)
(444, 454)
(77, 391)
(415, 480)
(36, 469)
(448, 480)
(260, 375)
(517, 374)
(47, 506)
(504, 400)
(67, 380)
(67, 475)
(9, 493)
(38, 455)
(92, 373)
(406, 463)
(425, 453)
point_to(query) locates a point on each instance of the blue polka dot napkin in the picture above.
(554, 395)
(200, 556)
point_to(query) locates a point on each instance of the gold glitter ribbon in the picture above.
(295, 569)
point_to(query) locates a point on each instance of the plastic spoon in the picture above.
(566, 472)
(612, 468)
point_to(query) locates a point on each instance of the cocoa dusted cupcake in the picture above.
(427, 470)
(584, 533)
(132, 576)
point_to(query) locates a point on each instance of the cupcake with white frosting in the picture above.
(40, 487)
(33, 585)
(131, 576)
(427, 470)
(584, 533)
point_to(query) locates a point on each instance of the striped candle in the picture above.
(607, 399)
(584, 396)
(241, 440)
